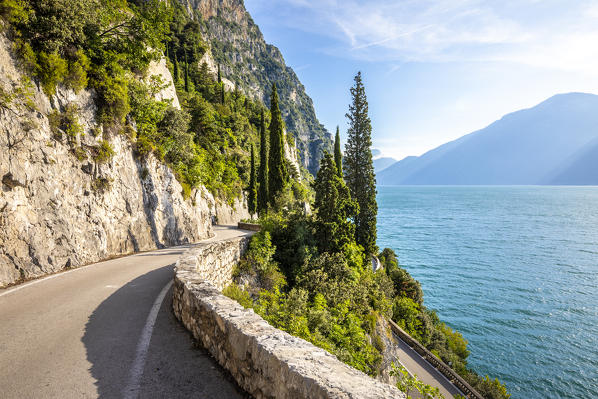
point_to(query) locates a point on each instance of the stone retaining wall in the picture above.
(265, 361)
(249, 226)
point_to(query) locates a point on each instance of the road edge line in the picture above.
(132, 389)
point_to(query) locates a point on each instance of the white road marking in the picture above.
(25, 285)
(62, 273)
(132, 389)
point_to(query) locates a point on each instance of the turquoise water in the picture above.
(515, 269)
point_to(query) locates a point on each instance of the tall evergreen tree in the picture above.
(333, 208)
(186, 73)
(220, 86)
(176, 70)
(359, 168)
(278, 175)
(252, 195)
(262, 195)
(338, 156)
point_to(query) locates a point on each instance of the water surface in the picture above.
(515, 269)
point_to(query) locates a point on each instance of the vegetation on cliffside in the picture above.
(239, 48)
(107, 47)
(310, 276)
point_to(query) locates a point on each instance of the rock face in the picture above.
(246, 59)
(265, 361)
(61, 207)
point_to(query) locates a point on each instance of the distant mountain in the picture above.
(382, 163)
(555, 142)
(581, 170)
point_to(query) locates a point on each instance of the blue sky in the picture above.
(433, 70)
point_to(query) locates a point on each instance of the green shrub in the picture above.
(27, 57)
(235, 292)
(112, 85)
(55, 121)
(51, 70)
(80, 153)
(66, 122)
(15, 11)
(101, 184)
(186, 190)
(77, 73)
(143, 146)
(410, 385)
(489, 388)
(103, 152)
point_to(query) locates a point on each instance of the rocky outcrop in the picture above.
(246, 59)
(168, 93)
(65, 202)
(265, 361)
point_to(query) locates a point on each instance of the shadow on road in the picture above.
(175, 367)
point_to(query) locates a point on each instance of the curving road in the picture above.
(105, 330)
(425, 372)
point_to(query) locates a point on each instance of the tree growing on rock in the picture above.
(359, 168)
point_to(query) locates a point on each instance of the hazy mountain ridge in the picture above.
(546, 144)
(382, 163)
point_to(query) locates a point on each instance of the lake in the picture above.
(514, 269)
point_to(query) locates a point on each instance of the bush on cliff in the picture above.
(108, 46)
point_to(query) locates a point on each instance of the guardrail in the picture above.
(438, 364)
(249, 226)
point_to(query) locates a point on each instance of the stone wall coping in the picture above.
(249, 226)
(265, 362)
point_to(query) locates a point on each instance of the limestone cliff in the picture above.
(246, 59)
(63, 205)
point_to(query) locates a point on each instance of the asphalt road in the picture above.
(102, 331)
(425, 372)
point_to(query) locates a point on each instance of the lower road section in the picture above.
(425, 372)
(105, 331)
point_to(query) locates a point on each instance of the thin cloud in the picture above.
(560, 35)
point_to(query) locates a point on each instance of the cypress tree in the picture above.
(252, 195)
(186, 73)
(338, 156)
(262, 195)
(278, 175)
(176, 70)
(333, 208)
(220, 86)
(359, 168)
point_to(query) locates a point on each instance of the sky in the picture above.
(434, 70)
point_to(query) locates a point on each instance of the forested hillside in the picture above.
(238, 46)
(113, 94)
